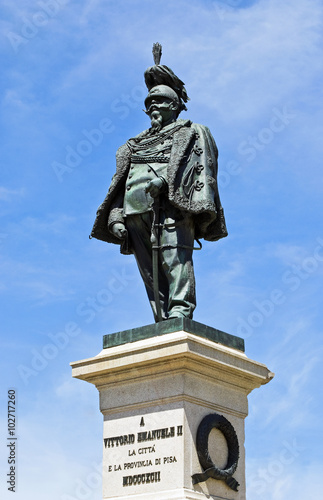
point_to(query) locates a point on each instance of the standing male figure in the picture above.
(163, 196)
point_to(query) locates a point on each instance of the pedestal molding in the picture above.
(173, 400)
(172, 351)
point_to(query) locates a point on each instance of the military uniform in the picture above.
(184, 156)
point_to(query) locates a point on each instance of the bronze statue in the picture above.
(163, 196)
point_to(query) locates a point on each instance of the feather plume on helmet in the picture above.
(163, 75)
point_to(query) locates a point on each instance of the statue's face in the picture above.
(163, 107)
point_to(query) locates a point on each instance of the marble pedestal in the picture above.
(156, 384)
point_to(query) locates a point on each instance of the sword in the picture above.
(155, 255)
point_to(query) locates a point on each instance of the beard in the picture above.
(156, 121)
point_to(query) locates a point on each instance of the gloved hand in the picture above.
(155, 186)
(119, 230)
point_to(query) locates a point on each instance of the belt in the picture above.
(150, 159)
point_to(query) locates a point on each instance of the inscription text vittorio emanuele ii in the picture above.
(141, 438)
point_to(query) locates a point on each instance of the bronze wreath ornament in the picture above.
(215, 421)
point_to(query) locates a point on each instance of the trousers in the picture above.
(175, 263)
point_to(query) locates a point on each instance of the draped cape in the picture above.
(191, 179)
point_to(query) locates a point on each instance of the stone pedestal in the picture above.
(156, 385)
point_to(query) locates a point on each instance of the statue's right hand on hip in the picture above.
(155, 187)
(119, 230)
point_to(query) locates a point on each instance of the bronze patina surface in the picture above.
(164, 197)
(170, 326)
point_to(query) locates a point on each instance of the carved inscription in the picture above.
(119, 440)
(149, 477)
(146, 451)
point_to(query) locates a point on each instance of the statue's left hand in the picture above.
(154, 187)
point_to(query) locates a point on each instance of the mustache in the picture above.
(151, 108)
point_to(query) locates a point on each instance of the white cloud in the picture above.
(52, 223)
(10, 194)
(254, 60)
(47, 465)
(275, 480)
(296, 363)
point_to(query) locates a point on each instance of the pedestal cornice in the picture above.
(172, 352)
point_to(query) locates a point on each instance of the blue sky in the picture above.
(73, 69)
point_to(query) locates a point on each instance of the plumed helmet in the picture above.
(163, 77)
(161, 91)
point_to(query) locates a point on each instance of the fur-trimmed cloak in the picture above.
(191, 179)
